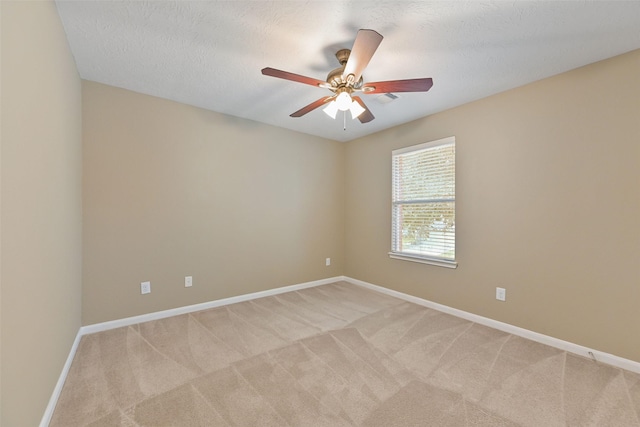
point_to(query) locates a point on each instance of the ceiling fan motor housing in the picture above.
(337, 79)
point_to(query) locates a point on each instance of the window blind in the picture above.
(423, 183)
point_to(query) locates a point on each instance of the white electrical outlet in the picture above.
(501, 294)
(327, 262)
(145, 287)
(188, 281)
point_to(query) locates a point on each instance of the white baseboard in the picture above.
(128, 321)
(600, 356)
(607, 358)
(51, 406)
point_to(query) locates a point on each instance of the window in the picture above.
(424, 199)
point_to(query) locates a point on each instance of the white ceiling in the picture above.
(209, 53)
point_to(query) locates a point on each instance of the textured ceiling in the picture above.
(209, 53)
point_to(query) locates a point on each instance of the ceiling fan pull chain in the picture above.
(344, 121)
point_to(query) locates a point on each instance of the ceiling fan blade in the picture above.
(367, 41)
(315, 104)
(366, 116)
(412, 85)
(293, 77)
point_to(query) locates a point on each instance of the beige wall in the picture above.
(41, 207)
(548, 203)
(172, 190)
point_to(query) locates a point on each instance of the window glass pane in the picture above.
(425, 174)
(427, 229)
(424, 200)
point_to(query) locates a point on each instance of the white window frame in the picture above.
(395, 252)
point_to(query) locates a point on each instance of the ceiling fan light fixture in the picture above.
(343, 101)
(339, 103)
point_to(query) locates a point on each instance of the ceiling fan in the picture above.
(347, 80)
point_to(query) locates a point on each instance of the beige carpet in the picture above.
(335, 355)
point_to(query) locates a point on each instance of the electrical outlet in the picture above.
(145, 287)
(501, 294)
(327, 262)
(188, 281)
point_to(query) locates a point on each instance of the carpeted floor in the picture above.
(335, 355)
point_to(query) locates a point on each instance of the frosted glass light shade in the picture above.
(343, 101)
(331, 109)
(356, 109)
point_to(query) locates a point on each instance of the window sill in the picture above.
(423, 260)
